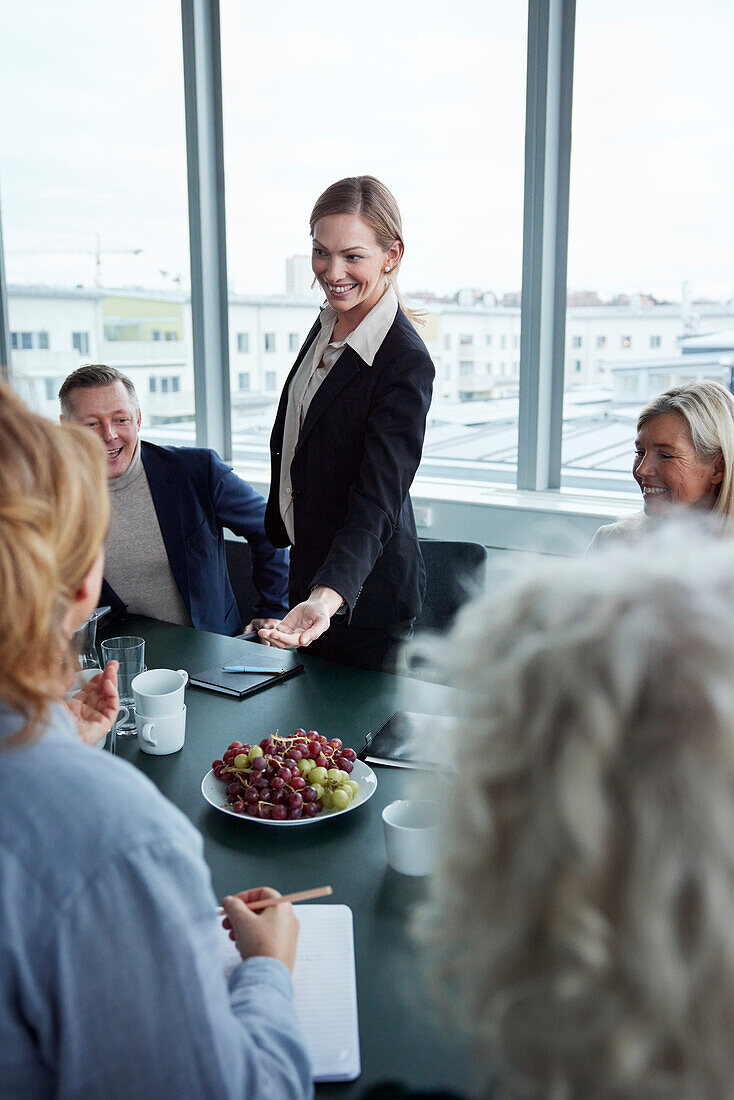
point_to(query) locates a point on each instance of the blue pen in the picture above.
(250, 668)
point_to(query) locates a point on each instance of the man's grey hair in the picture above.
(582, 916)
(91, 376)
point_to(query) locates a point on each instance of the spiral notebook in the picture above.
(325, 989)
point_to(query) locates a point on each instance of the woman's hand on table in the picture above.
(272, 931)
(95, 706)
(305, 622)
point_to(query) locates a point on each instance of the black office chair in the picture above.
(239, 567)
(455, 571)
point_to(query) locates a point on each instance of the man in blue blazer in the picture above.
(164, 552)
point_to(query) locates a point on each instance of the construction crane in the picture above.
(98, 252)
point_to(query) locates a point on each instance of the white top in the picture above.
(366, 340)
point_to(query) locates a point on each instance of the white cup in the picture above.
(413, 828)
(159, 692)
(161, 736)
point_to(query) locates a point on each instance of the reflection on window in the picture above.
(270, 341)
(243, 342)
(270, 380)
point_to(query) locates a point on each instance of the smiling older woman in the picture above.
(684, 457)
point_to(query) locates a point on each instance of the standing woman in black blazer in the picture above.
(347, 441)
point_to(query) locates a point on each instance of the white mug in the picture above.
(413, 828)
(159, 692)
(161, 736)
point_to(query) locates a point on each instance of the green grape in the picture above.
(318, 788)
(343, 777)
(353, 784)
(327, 800)
(241, 760)
(255, 751)
(335, 774)
(317, 775)
(340, 799)
(305, 766)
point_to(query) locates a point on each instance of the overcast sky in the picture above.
(428, 96)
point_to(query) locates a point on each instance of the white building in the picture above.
(475, 347)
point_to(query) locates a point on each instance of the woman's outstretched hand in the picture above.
(95, 707)
(305, 622)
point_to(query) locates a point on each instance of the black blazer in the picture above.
(355, 461)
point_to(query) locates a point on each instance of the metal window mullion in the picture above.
(207, 227)
(545, 241)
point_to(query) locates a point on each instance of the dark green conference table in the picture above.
(400, 1037)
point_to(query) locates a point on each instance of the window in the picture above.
(26, 340)
(503, 341)
(176, 384)
(455, 64)
(577, 366)
(243, 381)
(243, 344)
(577, 341)
(62, 227)
(164, 385)
(466, 340)
(293, 341)
(156, 334)
(152, 384)
(270, 341)
(488, 368)
(516, 341)
(51, 390)
(623, 261)
(14, 340)
(488, 339)
(270, 380)
(466, 368)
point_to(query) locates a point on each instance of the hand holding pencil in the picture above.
(262, 922)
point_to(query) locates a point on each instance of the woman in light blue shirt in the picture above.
(110, 979)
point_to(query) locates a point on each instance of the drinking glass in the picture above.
(129, 652)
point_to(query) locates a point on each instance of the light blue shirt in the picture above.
(111, 984)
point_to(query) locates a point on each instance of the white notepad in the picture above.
(325, 989)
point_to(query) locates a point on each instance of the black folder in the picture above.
(241, 684)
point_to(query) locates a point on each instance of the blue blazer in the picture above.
(195, 497)
(351, 473)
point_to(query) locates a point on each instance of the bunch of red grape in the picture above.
(286, 778)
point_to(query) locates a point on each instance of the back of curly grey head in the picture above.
(585, 906)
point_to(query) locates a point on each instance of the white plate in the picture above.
(215, 792)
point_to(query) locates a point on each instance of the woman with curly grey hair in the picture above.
(582, 917)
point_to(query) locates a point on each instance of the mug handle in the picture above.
(145, 733)
(184, 673)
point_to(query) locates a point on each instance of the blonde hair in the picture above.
(708, 409)
(367, 197)
(583, 914)
(54, 510)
